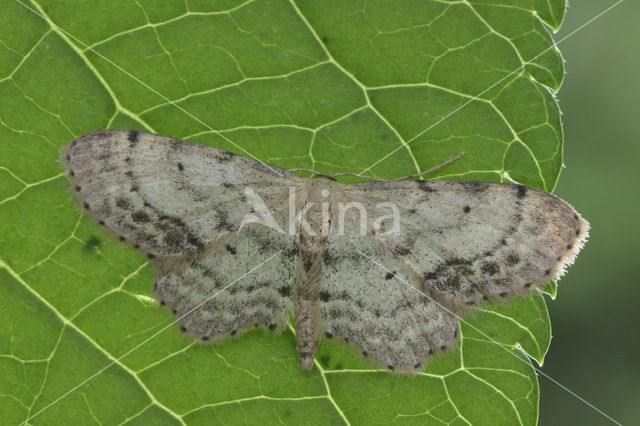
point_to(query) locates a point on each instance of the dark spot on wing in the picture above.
(133, 138)
(512, 260)
(490, 268)
(292, 251)
(140, 217)
(449, 282)
(272, 327)
(171, 219)
(328, 335)
(522, 191)
(180, 167)
(285, 291)
(426, 186)
(390, 275)
(430, 276)
(174, 238)
(226, 155)
(327, 258)
(325, 296)
(123, 203)
(467, 209)
(194, 241)
(503, 242)
(401, 250)
(78, 188)
(231, 249)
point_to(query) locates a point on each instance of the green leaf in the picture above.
(330, 85)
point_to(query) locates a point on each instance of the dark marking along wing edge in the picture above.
(470, 242)
(165, 195)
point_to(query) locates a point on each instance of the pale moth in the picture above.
(343, 252)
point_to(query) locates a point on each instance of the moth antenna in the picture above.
(433, 169)
(315, 172)
(357, 175)
(335, 174)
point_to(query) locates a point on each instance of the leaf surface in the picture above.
(333, 86)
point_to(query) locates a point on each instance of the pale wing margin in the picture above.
(166, 195)
(474, 241)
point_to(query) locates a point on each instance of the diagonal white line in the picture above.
(485, 335)
(117, 360)
(273, 169)
(590, 21)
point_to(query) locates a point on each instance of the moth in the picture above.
(205, 217)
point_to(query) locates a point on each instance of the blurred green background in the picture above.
(595, 318)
